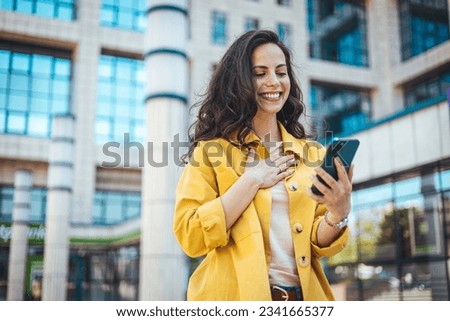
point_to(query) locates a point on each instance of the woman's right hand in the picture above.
(268, 172)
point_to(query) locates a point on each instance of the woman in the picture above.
(244, 199)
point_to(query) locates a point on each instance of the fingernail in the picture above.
(311, 176)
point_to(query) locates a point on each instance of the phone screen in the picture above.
(345, 150)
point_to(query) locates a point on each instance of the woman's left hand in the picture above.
(336, 197)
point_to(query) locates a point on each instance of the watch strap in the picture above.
(339, 225)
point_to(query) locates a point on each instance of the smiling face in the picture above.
(270, 79)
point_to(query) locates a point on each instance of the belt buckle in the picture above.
(284, 295)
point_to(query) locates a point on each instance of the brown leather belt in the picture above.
(285, 294)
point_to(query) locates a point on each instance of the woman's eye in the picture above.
(282, 74)
(259, 75)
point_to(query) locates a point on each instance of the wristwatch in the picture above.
(339, 225)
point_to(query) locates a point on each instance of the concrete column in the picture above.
(163, 266)
(19, 237)
(382, 37)
(84, 102)
(59, 198)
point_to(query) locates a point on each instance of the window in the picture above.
(130, 15)
(115, 207)
(428, 91)
(344, 111)
(423, 25)
(284, 33)
(103, 274)
(59, 9)
(33, 87)
(400, 227)
(120, 99)
(285, 3)
(338, 31)
(219, 28)
(38, 204)
(251, 24)
(6, 203)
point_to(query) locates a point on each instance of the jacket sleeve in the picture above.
(335, 247)
(199, 221)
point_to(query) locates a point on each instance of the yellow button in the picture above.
(298, 228)
(303, 261)
(293, 186)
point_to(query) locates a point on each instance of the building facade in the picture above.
(126, 72)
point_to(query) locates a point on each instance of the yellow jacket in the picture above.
(237, 261)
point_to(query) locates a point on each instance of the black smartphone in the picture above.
(345, 149)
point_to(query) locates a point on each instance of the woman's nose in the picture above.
(272, 80)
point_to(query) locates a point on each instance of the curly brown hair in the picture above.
(229, 104)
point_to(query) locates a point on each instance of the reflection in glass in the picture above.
(376, 231)
(446, 199)
(419, 221)
(424, 281)
(104, 274)
(379, 283)
(343, 280)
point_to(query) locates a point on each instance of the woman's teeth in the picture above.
(271, 95)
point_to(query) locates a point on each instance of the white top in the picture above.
(283, 268)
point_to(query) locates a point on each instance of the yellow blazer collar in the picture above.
(290, 143)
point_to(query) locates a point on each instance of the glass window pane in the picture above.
(419, 220)
(123, 14)
(61, 87)
(41, 85)
(3, 80)
(65, 12)
(62, 67)
(18, 100)
(105, 70)
(7, 4)
(108, 15)
(373, 194)
(42, 64)
(19, 82)
(4, 60)
(6, 201)
(102, 126)
(39, 104)
(16, 123)
(20, 62)
(407, 187)
(2, 120)
(445, 179)
(446, 200)
(60, 104)
(38, 124)
(379, 282)
(113, 209)
(45, 9)
(117, 95)
(424, 281)
(126, 19)
(25, 6)
(38, 204)
(376, 230)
